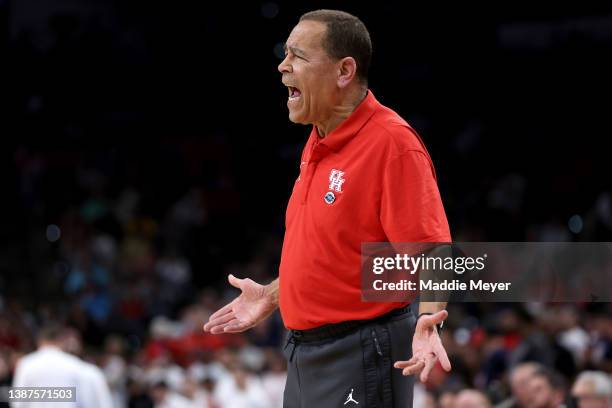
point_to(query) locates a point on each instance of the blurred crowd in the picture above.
(528, 355)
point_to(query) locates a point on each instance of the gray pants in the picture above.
(352, 370)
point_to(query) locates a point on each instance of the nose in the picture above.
(284, 66)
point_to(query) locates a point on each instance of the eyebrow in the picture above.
(294, 50)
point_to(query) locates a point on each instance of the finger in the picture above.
(413, 369)
(237, 327)
(442, 356)
(233, 326)
(437, 317)
(224, 310)
(402, 364)
(220, 320)
(429, 364)
(429, 321)
(221, 328)
(234, 281)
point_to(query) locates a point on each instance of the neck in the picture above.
(342, 111)
(47, 345)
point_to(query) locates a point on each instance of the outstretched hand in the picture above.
(253, 305)
(427, 347)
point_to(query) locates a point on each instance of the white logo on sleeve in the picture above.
(350, 398)
(336, 180)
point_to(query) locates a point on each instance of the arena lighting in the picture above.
(53, 233)
(575, 224)
(279, 50)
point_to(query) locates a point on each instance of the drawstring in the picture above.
(294, 339)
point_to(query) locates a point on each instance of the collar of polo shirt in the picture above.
(341, 135)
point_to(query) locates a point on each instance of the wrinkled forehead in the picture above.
(307, 35)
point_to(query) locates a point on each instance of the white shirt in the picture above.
(274, 385)
(51, 367)
(174, 400)
(229, 395)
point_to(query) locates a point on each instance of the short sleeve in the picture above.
(411, 206)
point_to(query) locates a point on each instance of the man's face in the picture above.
(542, 395)
(471, 399)
(587, 398)
(447, 400)
(309, 73)
(519, 382)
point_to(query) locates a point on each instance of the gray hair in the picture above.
(600, 381)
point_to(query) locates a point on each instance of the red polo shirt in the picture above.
(369, 180)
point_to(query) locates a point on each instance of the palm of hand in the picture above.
(423, 343)
(427, 348)
(251, 307)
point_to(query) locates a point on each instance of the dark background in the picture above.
(166, 97)
(146, 131)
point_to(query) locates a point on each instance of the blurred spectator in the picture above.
(471, 399)
(600, 324)
(273, 379)
(520, 377)
(115, 370)
(163, 397)
(241, 389)
(70, 340)
(592, 389)
(5, 374)
(573, 337)
(138, 395)
(422, 398)
(50, 366)
(201, 394)
(546, 389)
(447, 399)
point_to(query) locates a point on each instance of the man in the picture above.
(592, 389)
(520, 376)
(471, 399)
(546, 390)
(50, 366)
(365, 176)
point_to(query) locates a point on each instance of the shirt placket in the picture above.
(317, 152)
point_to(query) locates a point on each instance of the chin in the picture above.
(295, 118)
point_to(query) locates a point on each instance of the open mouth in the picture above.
(294, 93)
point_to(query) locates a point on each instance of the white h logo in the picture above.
(336, 180)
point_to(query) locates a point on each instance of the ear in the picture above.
(347, 70)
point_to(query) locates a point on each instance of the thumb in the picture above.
(433, 319)
(234, 281)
